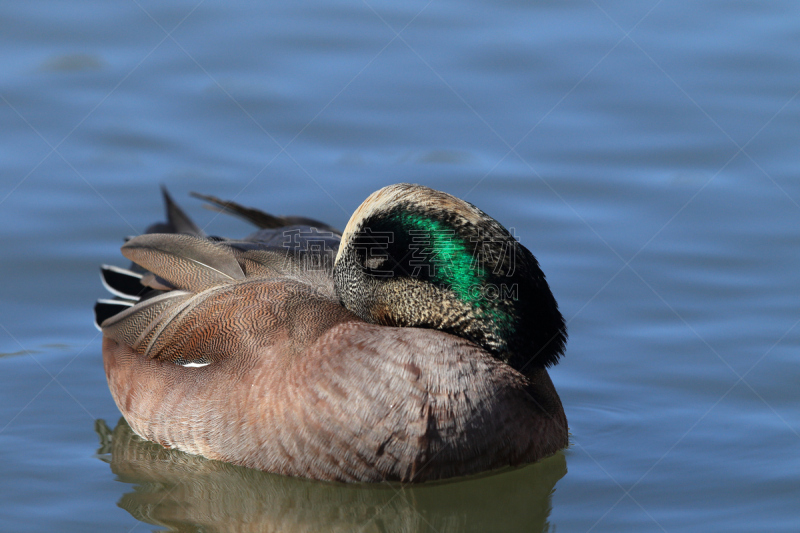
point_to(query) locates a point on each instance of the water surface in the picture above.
(646, 152)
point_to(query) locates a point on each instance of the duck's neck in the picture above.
(410, 302)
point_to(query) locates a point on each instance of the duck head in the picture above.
(411, 256)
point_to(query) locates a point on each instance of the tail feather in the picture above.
(105, 309)
(259, 218)
(122, 282)
(177, 220)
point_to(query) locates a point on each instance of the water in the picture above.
(645, 152)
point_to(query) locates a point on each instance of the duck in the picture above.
(413, 346)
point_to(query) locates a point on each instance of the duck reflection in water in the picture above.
(183, 492)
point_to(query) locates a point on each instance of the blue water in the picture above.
(646, 152)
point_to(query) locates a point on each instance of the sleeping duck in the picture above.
(413, 346)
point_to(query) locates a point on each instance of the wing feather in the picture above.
(187, 262)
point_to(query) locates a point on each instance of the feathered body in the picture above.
(383, 353)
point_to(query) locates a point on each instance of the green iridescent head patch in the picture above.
(450, 260)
